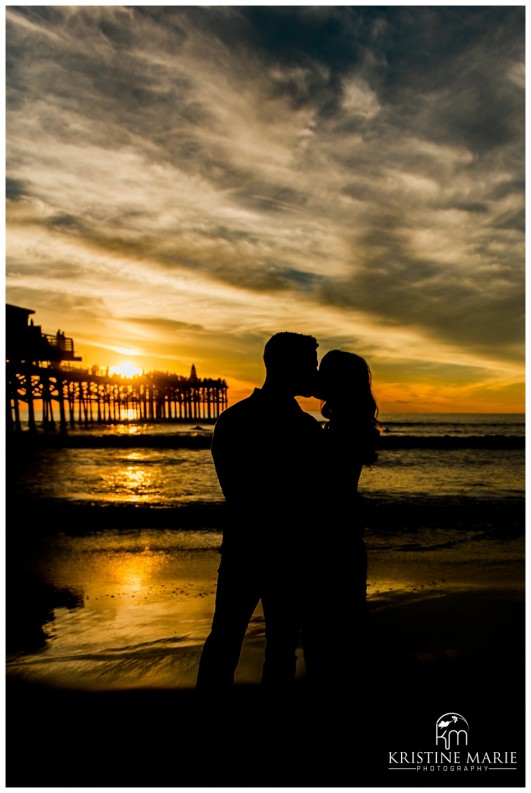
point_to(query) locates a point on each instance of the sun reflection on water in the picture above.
(126, 415)
(136, 478)
(136, 572)
(133, 480)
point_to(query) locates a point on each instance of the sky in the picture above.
(183, 182)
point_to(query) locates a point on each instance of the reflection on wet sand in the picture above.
(120, 609)
(144, 610)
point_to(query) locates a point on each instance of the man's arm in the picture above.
(229, 456)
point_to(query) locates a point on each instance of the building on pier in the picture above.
(41, 372)
(26, 343)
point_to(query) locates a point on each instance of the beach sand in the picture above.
(447, 635)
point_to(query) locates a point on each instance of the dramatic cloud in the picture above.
(187, 180)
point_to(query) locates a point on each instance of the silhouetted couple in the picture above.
(294, 536)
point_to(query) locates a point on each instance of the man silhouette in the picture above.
(265, 452)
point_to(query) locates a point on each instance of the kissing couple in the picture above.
(294, 533)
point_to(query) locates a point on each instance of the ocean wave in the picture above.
(390, 441)
(24, 443)
(381, 513)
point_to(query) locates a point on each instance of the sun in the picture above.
(126, 370)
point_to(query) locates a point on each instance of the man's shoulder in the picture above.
(240, 410)
(243, 406)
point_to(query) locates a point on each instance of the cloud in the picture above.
(162, 324)
(361, 165)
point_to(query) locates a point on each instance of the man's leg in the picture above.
(281, 604)
(237, 596)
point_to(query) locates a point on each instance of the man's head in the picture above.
(291, 363)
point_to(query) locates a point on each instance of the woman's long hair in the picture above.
(348, 401)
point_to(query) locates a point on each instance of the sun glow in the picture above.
(126, 370)
(135, 572)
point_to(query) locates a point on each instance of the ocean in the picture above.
(113, 535)
(168, 465)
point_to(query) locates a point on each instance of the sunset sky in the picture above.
(183, 182)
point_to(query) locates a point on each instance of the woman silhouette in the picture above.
(336, 609)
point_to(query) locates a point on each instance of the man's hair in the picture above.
(284, 348)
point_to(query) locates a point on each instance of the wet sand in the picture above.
(131, 609)
(445, 637)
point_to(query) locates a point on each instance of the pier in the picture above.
(43, 373)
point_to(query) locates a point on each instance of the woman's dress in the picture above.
(335, 624)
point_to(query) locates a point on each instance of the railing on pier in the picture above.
(59, 342)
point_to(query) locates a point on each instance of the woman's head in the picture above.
(345, 379)
(345, 390)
